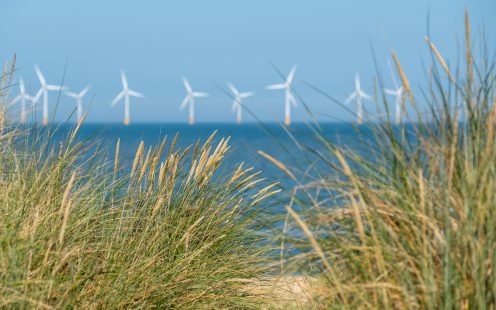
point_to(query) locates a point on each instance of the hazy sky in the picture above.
(216, 41)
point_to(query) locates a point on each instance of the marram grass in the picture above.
(410, 224)
(169, 231)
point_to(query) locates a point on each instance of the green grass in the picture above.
(168, 231)
(411, 223)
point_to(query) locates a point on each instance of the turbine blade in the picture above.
(124, 80)
(38, 95)
(292, 100)
(187, 85)
(71, 94)
(185, 102)
(55, 87)
(21, 86)
(365, 96)
(136, 94)
(117, 98)
(247, 94)
(16, 99)
(392, 74)
(84, 91)
(351, 97)
(234, 105)
(390, 91)
(199, 94)
(40, 75)
(233, 89)
(275, 86)
(357, 81)
(291, 74)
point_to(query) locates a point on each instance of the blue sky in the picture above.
(216, 41)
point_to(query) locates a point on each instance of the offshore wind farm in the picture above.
(189, 100)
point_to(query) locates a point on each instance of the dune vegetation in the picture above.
(168, 230)
(411, 222)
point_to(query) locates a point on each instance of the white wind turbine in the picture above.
(358, 95)
(22, 97)
(289, 98)
(397, 92)
(44, 91)
(126, 93)
(190, 100)
(79, 101)
(238, 97)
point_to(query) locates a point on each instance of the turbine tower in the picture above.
(44, 91)
(126, 93)
(397, 92)
(289, 98)
(190, 100)
(22, 97)
(358, 95)
(238, 97)
(79, 101)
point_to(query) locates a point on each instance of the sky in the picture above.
(219, 41)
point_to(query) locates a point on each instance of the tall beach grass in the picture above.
(411, 222)
(79, 229)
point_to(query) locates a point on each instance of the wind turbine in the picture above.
(190, 100)
(289, 98)
(358, 95)
(79, 101)
(126, 93)
(397, 92)
(22, 97)
(236, 107)
(45, 88)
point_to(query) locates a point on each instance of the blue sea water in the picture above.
(301, 147)
(296, 146)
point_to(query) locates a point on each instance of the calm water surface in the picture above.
(289, 145)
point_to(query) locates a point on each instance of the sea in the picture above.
(288, 144)
(304, 148)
